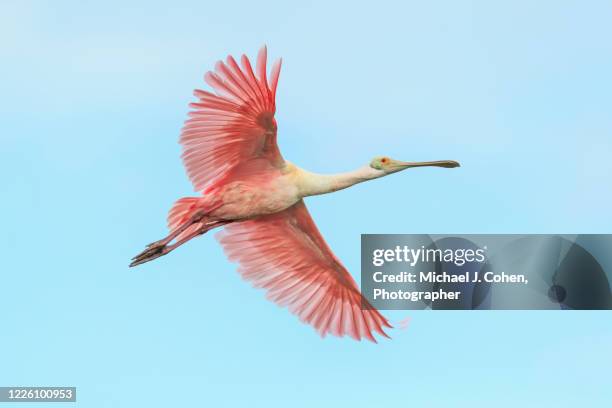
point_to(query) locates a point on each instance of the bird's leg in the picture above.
(166, 249)
(196, 217)
(159, 248)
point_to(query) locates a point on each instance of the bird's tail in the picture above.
(186, 220)
(180, 213)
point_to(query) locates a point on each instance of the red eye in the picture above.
(384, 160)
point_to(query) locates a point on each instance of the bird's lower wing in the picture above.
(286, 254)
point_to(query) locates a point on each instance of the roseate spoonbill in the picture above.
(231, 156)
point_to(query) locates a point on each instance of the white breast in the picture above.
(248, 199)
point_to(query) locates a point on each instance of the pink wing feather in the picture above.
(285, 254)
(234, 124)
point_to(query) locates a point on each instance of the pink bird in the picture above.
(231, 157)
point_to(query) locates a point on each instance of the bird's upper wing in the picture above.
(286, 254)
(234, 124)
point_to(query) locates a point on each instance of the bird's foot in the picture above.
(153, 251)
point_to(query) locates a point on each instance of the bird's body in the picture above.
(231, 156)
(253, 193)
(260, 190)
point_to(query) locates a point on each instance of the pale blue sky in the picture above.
(94, 95)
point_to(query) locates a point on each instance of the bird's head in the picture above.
(388, 165)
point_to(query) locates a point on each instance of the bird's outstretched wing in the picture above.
(234, 124)
(285, 254)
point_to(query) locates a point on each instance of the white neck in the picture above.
(314, 184)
